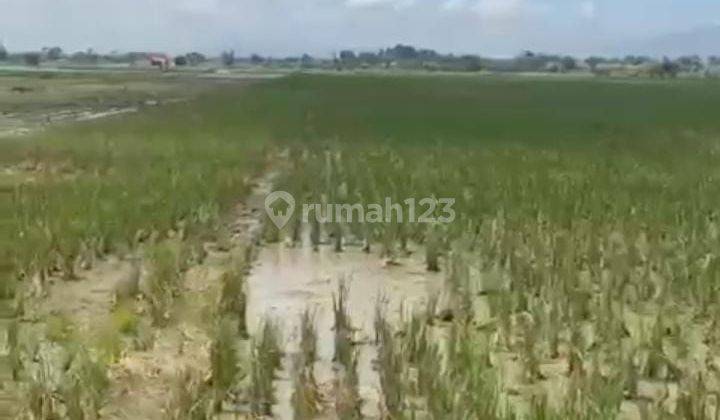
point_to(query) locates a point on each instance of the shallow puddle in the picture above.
(287, 281)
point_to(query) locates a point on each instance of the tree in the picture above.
(3, 52)
(347, 55)
(181, 60)
(87, 57)
(32, 59)
(53, 53)
(691, 63)
(636, 60)
(368, 57)
(402, 52)
(426, 54)
(306, 60)
(670, 68)
(594, 61)
(530, 61)
(195, 58)
(256, 59)
(228, 58)
(471, 63)
(568, 63)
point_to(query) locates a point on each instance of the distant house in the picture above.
(163, 61)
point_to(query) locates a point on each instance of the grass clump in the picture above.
(59, 328)
(164, 281)
(306, 400)
(224, 361)
(125, 319)
(75, 389)
(347, 397)
(233, 300)
(266, 360)
(390, 370)
(189, 397)
(85, 387)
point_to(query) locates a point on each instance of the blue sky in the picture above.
(321, 27)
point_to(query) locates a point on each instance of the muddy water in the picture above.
(287, 281)
(12, 125)
(19, 124)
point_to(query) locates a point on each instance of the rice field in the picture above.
(580, 271)
(579, 278)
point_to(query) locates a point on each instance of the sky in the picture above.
(323, 27)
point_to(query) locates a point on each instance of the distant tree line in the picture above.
(90, 57)
(190, 59)
(407, 57)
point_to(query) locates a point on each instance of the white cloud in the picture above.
(500, 9)
(455, 4)
(588, 9)
(198, 6)
(396, 4)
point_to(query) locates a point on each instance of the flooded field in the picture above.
(143, 279)
(287, 282)
(33, 101)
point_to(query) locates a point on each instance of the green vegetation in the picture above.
(224, 362)
(266, 359)
(481, 111)
(189, 397)
(152, 185)
(102, 187)
(347, 399)
(581, 271)
(77, 391)
(306, 395)
(232, 301)
(582, 263)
